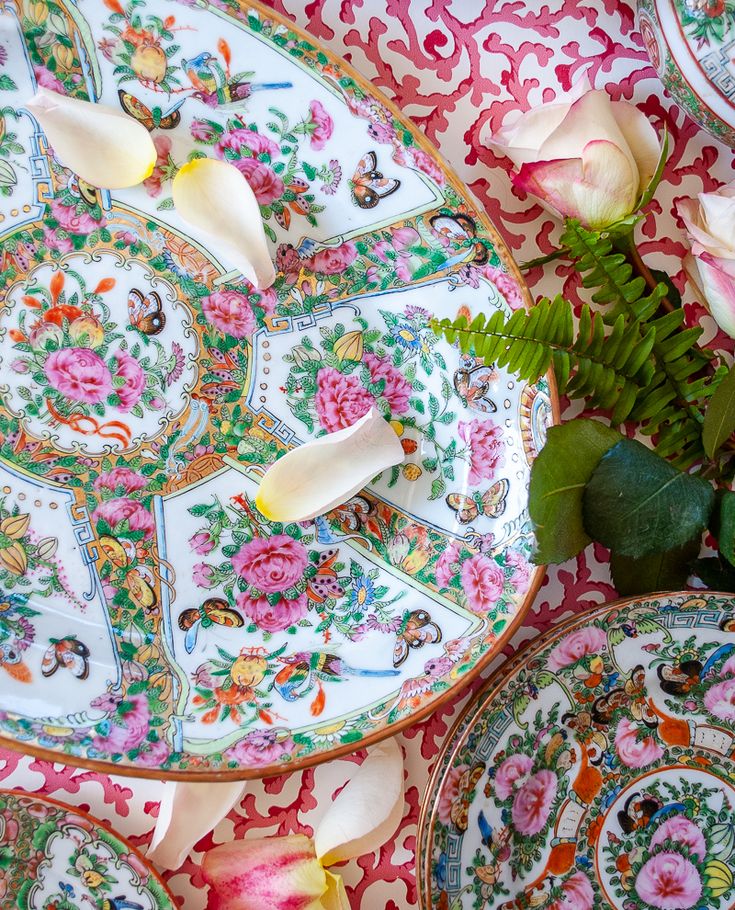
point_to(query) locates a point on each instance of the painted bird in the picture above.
(216, 87)
(304, 670)
(119, 903)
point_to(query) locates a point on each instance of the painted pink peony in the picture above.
(202, 542)
(273, 618)
(446, 568)
(720, 700)
(322, 125)
(521, 570)
(482, 583)
(71, 220)
(131, 371)
(340, 400)
(532, 803)
(115, 511)
(54, 241)
(634, 751)
(577, 894)
(575, 646)
(79, 374)
(728, 668)
(333, 260)
(128, 730)
(237, 140)
(449, 793)
(271, 564)
(154, 755)
(484, 440)
(397, 389)
(261, 747)
(202, 575)
(669, 881)
(263, 180)
(46, 79)
(230, 312)
(125, 478)
(510, 772)
(680, 830)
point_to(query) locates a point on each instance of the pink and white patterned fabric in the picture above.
(456, 67)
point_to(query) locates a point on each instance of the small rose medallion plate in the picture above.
(596, 771)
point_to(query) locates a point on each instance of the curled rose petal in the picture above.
(324, 473)
(104, 146)
(215, 199)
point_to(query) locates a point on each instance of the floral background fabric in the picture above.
(456, 69)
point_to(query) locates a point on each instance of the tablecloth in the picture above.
(456, 67)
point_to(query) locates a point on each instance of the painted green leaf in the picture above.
(667, 571)
(636, 503)
(719, 421)
(558, 478)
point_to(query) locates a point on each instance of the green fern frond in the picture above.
(611, 370)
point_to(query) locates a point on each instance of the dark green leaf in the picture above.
(719, 421)
(715, 573)
(726, 531)
(667, 571)
(636, 503)
(672, 292)
(558, 479)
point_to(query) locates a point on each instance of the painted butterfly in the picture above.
(222, 369)
(87, 191)
(491, 503)
(66, 652)
(417, 629)
(472, 383)
(214, 611)
(459, 812)
(21, 256)
(145, 312)
(461, 227)
(368, 185)
(325, 583)
(151, 119)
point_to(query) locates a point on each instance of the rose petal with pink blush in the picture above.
(642, 139)
(718, 289)
(718, 217)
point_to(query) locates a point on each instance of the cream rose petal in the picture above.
(324, 473)
(188, 812)
(690, 211)
(718, 216)
(367, 811)
(718, 289)
(641, 137)
(104, 146)
(216, 200)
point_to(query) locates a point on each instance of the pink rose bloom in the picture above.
(484, 440)
(397, 389)
(632, 751)
(230, 312)
(131, 371)
(512, 771)
(445, 565)
(201, 542)
(680, 830)
(532, 803)
(134, 729)
(263, 180)
(203, 575)
(340, 400)
(450, 792)
(333, 260)
(575, 646)
(129, 480)
(54, 242)
(271, 564)
(237, 140)
(260, 747)
(79, 374)
(154, 755)
(115, 511)
(404, 237)
(72, 221)
(203, 131)
(578, 894)
(720, 700)
(322, 123)
(268, 300)
(668, 881)
(273, 618)
(482, 583)
(522, 570)
(46, 79)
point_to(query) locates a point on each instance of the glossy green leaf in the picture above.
(726, 531)
(667, 571)
(719, 421)
(636, 503)
(558, 479)
(714, 572)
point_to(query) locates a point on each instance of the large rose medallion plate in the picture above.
(56, 857)
(596, 771)
(151, 618)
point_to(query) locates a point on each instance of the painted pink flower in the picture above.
(333, 260)
(131, 371)
(446, 565)
(71, 220)
(129, 480)
(154, 183)
(79, 374)
(230, 312)
(484, 440)
(261, 747)
(397, 389)
(532, 803)
(273, 617)
(680, 830)
(511, 773)
(203, 575)
(449, 793)
(237, 140)
(267, 298)
(340, 400)
(521, 570)
(577, 894)
(202, 542)
(322, 124)
(720, 700)
(575, 646)
(728, 668)
(507, 285)
(482, 583)
(271, 564)
(46, 79)
(426, 163)
(154, 755)
(263, 180)
(288, 260)
(53, 241)
(203, 131)
(128, 730)
(669, 881)
(633, 751)
(115, 511)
